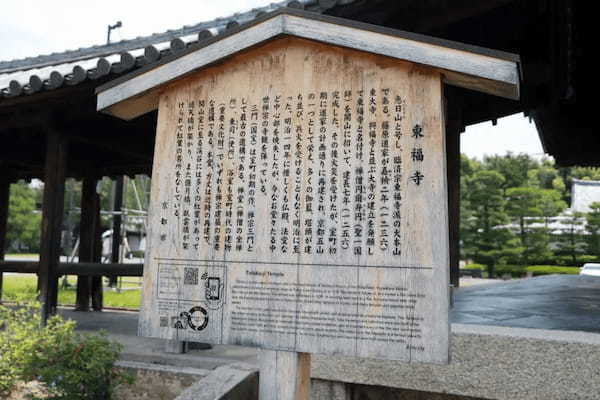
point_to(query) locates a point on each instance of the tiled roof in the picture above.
(48, 72)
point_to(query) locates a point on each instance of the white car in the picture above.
(590, 269)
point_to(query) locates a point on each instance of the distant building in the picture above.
(583, 194)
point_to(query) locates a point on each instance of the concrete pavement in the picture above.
(555, 302)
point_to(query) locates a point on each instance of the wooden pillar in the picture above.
(96, 283)
(52, 213)
(90, 246)
(87, 234)
(4, 201)
(284, 375)
(116, 228)
(453, 129)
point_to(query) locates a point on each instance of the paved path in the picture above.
(558, 302)
(563, 302)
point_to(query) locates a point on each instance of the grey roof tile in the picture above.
(47, 72)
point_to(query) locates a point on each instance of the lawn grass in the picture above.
(18, 256)
(22, 287)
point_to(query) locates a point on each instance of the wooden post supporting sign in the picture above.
(284, 375)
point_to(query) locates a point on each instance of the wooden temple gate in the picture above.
(50, 129)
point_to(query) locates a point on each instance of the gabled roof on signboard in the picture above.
(463, 65)
(41, 73)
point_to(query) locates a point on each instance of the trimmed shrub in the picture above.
(539, 270)
(515, 271)
(480, 267)
(71, 366)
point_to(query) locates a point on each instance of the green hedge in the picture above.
(520, 271)
(480, 267)
(515, 271)
(538, 270)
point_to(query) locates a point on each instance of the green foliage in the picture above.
(485, 240)
(572, 243)
(538, 270)
(514, 168)
(507, 206)
(551, 204)
(587, 258)
(70, 365)
(519, 271)
(524, 209)
(545, 176)
(515, 271)
(24, 220)
(584, 173)
(480, 267)
(593, 228)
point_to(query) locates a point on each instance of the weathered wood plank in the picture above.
(465, 66)
(284, 375)
(52, 213)
(461, 65)
(338, 243)
(4, 205)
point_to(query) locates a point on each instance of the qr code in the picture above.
(164, 322)
(190, 276)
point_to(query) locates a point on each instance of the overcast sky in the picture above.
(34, 27)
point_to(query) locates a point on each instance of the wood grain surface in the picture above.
(310, 255)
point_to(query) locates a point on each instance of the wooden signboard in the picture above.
(299, 197)
(299, 203)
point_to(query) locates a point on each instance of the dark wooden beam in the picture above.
(52, 212)
(80, 269)
(454, 126)
(115, 148)
(459, 12)
(87, 234)
(4, 201)
(96, 283)
(116, 228)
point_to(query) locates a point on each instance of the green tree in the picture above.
(514, 168)
(593, 228)
(571, 242)
(487, 240)
(524, 209)
(551, 204)
(545, 176)
(24, 218)
(468, 167)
